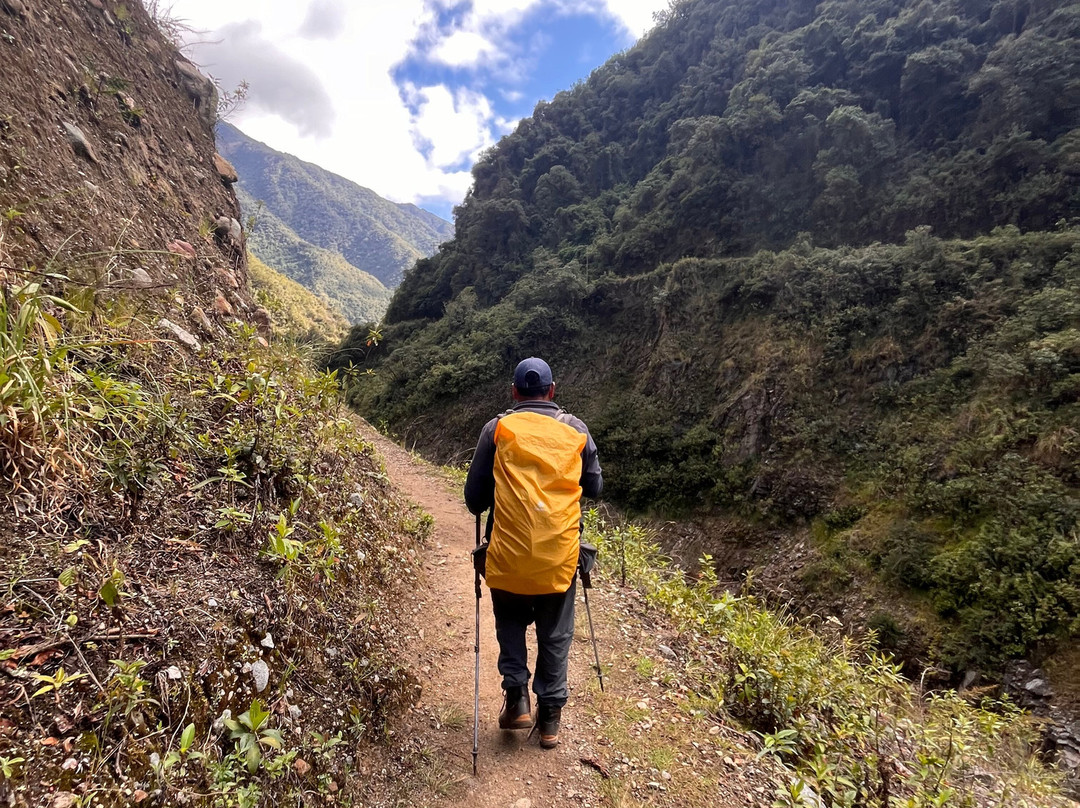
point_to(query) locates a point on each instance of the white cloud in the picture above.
(636, 16)
(454, 125)
(325, 20)
(482, 37)
(371, 142)
(465, 48)
(373, 136)
(277, 82)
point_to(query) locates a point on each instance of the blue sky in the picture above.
(402, 95)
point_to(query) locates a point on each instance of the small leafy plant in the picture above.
(280, 546)
(251, 734)
(53, 684)
(10, 766)
(175, 756)
(127, 690)
(111, 590)
(231, 519)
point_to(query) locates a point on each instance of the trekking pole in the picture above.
(476, 691)
(622, 554)
(586, 585)
(595, 650)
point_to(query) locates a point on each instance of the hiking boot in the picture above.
(548, 719)
(517, 711)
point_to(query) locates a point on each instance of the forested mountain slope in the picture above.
(738, 125)
(802, 264)
(295, 310)
(357, 295)
(379, 237)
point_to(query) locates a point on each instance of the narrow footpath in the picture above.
(638, 744)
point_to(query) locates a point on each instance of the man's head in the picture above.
(532, 379)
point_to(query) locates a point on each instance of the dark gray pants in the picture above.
(554, 618)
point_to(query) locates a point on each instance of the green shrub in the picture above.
(904, 555)
(827, 576)
(1010, 589)
(843, 518)
(839, 715)
(889, 636)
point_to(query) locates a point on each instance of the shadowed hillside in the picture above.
(184, 502)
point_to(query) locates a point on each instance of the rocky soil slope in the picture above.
(108, 171)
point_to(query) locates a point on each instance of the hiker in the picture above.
(531, 466)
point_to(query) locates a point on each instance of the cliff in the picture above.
(108, 176)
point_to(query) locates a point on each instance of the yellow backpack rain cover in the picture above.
(534, 541)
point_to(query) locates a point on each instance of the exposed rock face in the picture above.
(140, 279)
(222, 307)
(13, 7)
(260, 674)
(1027, 686)
(200, 90)
(261, 318)
(1031, 689)
(202, 322)
(225, 170)
(225, 278)
(182, 248)
(227, 228)
(182, 336)
(79, 144)
(111, 163)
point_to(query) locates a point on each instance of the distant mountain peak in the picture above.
(327, 212)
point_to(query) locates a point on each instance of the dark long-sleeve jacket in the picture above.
(480, 483)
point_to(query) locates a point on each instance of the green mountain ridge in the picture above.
(295, 310)
(356, 294)
(375, 235)
(808, 265)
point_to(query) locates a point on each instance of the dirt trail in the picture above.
(512, 767)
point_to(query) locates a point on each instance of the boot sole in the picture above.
(549, 742)
(525, 722)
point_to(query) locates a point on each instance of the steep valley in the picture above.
(810, 272)
(336, 238)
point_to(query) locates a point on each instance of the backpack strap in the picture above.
(490, 513)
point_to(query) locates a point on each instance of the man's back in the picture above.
(531, 466)
(537, 471)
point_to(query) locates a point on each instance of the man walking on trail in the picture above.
(531, 466)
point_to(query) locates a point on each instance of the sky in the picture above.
(401, 96)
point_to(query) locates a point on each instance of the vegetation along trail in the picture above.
(598, 728)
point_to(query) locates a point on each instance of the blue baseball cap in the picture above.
(532, 375)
